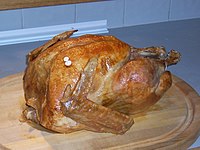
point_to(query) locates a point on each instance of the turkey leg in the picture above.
(96, 117)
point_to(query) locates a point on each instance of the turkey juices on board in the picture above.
(93, 82)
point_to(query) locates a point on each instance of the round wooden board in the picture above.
(174, 122)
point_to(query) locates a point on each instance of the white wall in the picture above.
(118, 13)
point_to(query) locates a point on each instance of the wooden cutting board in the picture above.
(174, 122)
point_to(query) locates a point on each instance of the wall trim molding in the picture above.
(47, 32)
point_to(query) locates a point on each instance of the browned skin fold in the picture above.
(106, 83)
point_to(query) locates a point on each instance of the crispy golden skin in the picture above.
(107, 81)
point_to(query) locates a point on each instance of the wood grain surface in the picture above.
(13, 4)
(172, 123)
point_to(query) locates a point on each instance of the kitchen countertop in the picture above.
(183, 36)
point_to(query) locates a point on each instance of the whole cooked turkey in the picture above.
(93, 82)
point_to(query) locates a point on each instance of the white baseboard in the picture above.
(46, 33)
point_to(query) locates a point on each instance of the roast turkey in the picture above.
(93, 82)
